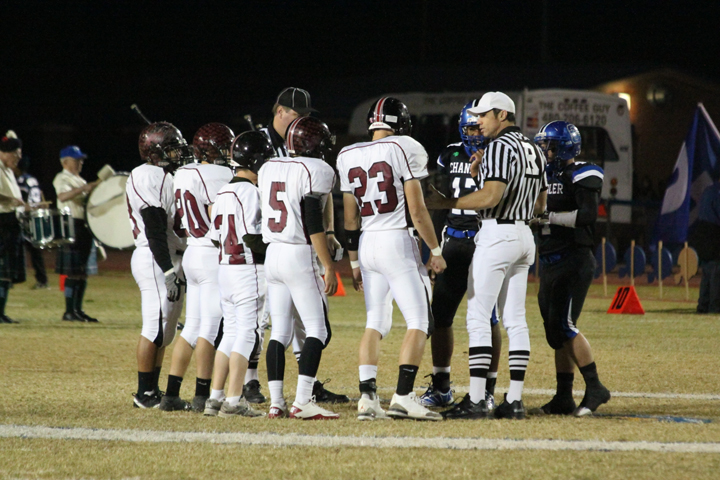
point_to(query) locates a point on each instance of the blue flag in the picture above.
(696, 167)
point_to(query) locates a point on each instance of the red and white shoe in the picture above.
(311, 411)
(277, 411)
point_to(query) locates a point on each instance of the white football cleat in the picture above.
(311, 411)
(369, 409)
(408, 406)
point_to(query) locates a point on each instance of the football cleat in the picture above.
(490, 401)
(559, 405)
(435, 398)
(594, 397)
(467, 410)
(198, 403)
(86, 317)
(72, 317)
(369, 408)
(242, 409)
(311, 411)
(277, 411)
(6, 319)
(212, 407)
(251, 392)
(323, 395)
(514, 410)
(173, 404)
(143, 400)
(408, 406)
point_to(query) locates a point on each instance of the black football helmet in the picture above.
(390, 114)
(212, 143)
(309, 137)
(250, 150)
(162, 144)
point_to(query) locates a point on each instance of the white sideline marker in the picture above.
(325, 441)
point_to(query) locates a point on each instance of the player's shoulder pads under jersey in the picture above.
(414, 153)
(452, 150)
(587, 175)
(147, 183)
(322, 175)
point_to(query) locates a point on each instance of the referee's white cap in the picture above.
(493, 100)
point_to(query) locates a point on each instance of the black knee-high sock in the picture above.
(70, 288)
(589, 373)
(310, 357)
(79, 294)
(275, 358)
(4, 290)
(406, 379)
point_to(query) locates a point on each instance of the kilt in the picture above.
(72, 258)
(12, 255)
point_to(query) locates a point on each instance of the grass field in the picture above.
(79, 380)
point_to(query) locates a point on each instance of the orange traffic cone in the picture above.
(341, 289)
(62, 282)
(626, 301)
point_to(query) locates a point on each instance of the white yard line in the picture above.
(325, 441)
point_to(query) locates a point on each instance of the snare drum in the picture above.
(48, 228)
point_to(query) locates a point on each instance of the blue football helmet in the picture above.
(472, 142)
(561, 136)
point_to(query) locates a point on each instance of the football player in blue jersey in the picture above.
(459, 228)
(567, 265)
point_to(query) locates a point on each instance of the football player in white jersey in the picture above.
(380, 180)
(158, 253)
(241, 275)
(196, 186)
(294, 191)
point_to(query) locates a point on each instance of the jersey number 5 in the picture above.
(279, 206)
(386, 185)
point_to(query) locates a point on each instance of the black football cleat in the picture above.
(87, 318)
(6, 319)
(323, 395)
(467, 410)
(72, 317)
(251, 392)
(559, 405)
(174, 404)
(142, 400)
(594, 397)
(514, 410)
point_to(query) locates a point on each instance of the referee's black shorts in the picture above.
(564, 282)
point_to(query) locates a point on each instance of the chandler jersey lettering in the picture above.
(149, 186)
(563, 188)
(284, 183)
(235, 213)
(196, 186)
(454, 164)
(374, 172)
(514, 160)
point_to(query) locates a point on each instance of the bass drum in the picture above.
(106, 213)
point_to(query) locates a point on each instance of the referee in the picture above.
(513, 188)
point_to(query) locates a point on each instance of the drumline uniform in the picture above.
(196, 186)
(72, 258)
(504, 250)
(294, 282)
(149, 186)
(241, 274)
(12, 259)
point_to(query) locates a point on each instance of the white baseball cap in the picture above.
(493, 100)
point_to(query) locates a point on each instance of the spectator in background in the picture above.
(704, 238)
(33, 195)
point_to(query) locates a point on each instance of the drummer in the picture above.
(72, 191)
(12, 258)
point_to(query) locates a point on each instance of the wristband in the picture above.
(354, 264)
(437, 251)
(330, 232)
(169, 272)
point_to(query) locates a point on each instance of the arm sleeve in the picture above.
(155, 220)
(313, 210)
(587, 201)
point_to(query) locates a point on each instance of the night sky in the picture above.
(70, 70)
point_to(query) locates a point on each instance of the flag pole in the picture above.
(604, 271)
(659, 269)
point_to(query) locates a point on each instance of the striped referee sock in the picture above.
(518, 360)
(479, 359)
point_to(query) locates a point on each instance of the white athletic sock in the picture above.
(304, 389)
(233, 401)
(515, 391)
(367, 372)
(477, 389)
(251, 374)
(276, 392)
(437, 370)
(217, 394)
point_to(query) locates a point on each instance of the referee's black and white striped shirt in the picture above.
(277, 141)
(514, 160)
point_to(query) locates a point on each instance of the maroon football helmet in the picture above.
(309, 137)
(162, 143)
(212, 143)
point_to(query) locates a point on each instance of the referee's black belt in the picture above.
(502, 221)
(455, 233)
